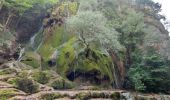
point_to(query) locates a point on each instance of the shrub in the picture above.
(62, 84)
(41, 77)
(26, 85)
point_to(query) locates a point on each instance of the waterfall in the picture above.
(36, 40)
(39, 45)
(21, 54)
(32, 41)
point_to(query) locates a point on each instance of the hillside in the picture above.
(77, 49)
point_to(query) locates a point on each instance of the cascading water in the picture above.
(36, 40)
(32, 41)
(21, 54)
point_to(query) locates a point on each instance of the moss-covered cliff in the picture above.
(84, 45)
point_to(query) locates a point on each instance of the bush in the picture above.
(27, 85)
(150, 75)
(62, 84)
(41, 77)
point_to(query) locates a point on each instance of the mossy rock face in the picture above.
(73, 57)
(66, 57)
(32, 59)
(62, 83)
(56, 38)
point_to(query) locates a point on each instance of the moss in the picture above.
(69, 51)
(51, 96)
(66, 57)
(41, 77)
(32, 59)
(95, 62)
(52, 42)
(5, 94)
(62, 83)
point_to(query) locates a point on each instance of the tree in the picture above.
(158, 69)
(88, 5)
(132, 34)
(91, 26)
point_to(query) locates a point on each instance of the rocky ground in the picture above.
(10, 91)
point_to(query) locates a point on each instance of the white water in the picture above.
(32, 41)
(21, 54)
(39, 46)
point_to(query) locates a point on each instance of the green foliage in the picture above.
(158, 68)
(92, 28)
(41, 77)
(150, 73)
(137, 74)
(132, 29)
(66, 57)
(19, 6)
(52, 42)
(62, 83)
(72, 57)
(32, 59)
(87, 5)
(86, 26)
(26, 85)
